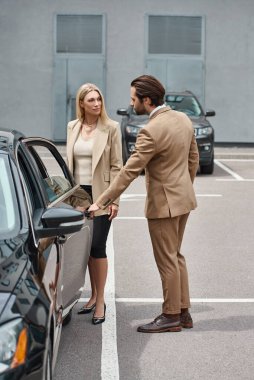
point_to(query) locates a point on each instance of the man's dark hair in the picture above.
(149, 86)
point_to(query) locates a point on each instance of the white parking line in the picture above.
(128, 197)
(237, 159)
(229, 171)
(130, 217)
(109, 354)
(234, 180)
(209, 195)
(193, 300)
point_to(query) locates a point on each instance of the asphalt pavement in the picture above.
(218, 246)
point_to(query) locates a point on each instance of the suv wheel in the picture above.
(207, 169)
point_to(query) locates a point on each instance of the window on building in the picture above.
(79, 34)
(174, 35)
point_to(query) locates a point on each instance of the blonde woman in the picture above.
(94, 156)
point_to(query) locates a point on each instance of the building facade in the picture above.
(50, 47)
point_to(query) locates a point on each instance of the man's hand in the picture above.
(113, 210)
(94, 207)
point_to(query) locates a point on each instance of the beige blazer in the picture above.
(106, 157)
(167, 148)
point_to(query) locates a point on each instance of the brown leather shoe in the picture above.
(161, 324)
(186, 320)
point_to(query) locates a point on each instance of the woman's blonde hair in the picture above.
(81, 94)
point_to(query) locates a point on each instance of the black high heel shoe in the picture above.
(99, 320)
(86, 310)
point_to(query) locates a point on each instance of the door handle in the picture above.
(61, 239)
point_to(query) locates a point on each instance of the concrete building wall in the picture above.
(27, 58)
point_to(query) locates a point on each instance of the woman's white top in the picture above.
(83, 150)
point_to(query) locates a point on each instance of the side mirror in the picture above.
(210, 113)
(60, 221)
(122, 112)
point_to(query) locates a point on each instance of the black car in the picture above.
(180, 101)
(44, 249)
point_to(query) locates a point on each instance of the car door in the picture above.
(57, 185)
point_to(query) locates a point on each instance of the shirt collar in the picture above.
(157, 109)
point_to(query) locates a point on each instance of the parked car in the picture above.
(44, 249)
(185, 102)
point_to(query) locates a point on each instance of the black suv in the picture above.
(185, 102)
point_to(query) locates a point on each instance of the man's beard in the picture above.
(141, 110)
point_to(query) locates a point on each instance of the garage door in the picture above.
(79, 58)
(175, 52)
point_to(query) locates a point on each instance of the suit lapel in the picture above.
(72, 139)
(100, 142)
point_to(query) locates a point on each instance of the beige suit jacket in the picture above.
(167, 148)
(106, 157)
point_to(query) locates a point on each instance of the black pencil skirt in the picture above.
(101, 226)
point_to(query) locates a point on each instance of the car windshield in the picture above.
(183, 103)
(8, 203)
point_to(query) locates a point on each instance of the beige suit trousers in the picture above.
(166, 236)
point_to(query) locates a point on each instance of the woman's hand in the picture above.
(113, 211)
(80, 208)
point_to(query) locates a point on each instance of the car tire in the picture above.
(207, 169)
(67, 319)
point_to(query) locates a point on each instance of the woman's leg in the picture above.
(99, 258)
(92, 298)
(91, 268)
(101, 270)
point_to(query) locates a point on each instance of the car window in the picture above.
(186, 104)
(53, 175)
(33, 194)
(9, 214)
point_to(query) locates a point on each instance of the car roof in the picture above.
(180, 93)
(9, 139)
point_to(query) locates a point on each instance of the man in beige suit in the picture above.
(167, 149)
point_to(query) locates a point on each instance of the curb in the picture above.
(234, 155)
